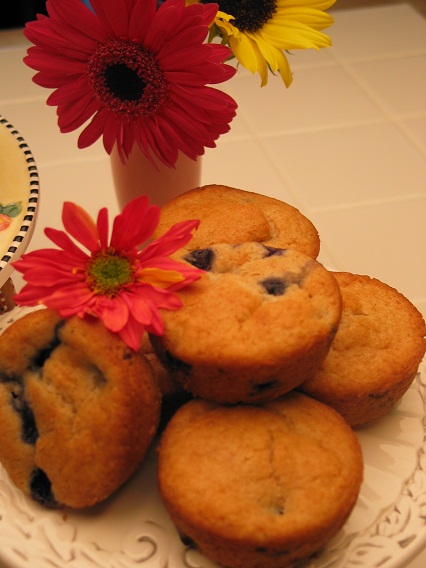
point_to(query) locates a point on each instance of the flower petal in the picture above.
(132, 334)
(113, 312)
(102, 226)
(63, 241)
(80, 225)
(187, 272)
(135, 224)
(113, 16)
(175, 238)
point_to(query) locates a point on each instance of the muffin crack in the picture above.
(45, 353)
(273, 231)
(15, 388)
(29, 430)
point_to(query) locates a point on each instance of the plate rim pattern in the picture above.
(33, 199)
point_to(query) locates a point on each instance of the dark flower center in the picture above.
(127, 79)
(249, 15)
(124, 82)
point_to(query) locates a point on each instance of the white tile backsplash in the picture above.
(346, 143)
(259, 174)
(378, 32)
(386, 240)
(345, 166)
(399, 83)
(416, 129)
(319, 98)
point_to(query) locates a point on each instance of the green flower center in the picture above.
(107, 273)
(250, 15)
(127, 79)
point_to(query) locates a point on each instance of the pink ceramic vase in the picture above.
(138, 176)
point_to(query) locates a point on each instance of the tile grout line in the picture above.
(289, 183)
(286, 178)
(377, 58)
(389, 115)
(370, 202)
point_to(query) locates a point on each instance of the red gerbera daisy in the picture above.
(140, 74)
(115, 282)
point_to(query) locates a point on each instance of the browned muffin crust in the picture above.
(375, 354)
(259, 486)
(256, 328)
(78, 409)
(230, 215)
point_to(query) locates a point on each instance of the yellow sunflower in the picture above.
(260, 31)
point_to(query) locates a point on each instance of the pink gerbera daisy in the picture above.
(114, 281)
(139, 73)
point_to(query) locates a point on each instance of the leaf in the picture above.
(12, 209)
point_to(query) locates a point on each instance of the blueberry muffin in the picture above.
(375, 354)
(256, 325)
(230, 215)
(259, 486)
(78, 409)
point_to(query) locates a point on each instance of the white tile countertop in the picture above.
(346, 144)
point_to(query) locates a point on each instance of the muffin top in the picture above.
(380, 342)
(255, 303)
(273, 476)
(230, 215)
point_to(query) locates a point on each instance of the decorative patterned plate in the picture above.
(131, 529)
(19, 195)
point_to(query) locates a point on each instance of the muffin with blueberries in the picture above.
(256, 325)
(78, 409)
(375, 354)
(259, 486)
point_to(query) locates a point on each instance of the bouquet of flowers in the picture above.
(139, 71)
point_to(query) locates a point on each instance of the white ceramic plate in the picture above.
(132, 529)
(19, 196)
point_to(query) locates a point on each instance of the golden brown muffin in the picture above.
(78, 409)
(259, 486)
(254, 327)
(375, 354)
(230, 215)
